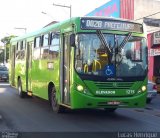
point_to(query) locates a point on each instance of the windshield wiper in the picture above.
(103, 41)
(104, 44)
(125, 40)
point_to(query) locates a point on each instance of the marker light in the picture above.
(144, 88)
(80, 88)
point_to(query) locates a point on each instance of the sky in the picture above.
(28, 13)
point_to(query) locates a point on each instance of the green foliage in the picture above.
(6, 40)
(1, 55)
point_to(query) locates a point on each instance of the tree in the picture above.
(1, 55)
(6, 40)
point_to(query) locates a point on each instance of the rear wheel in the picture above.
(20, 91)
(54, 102)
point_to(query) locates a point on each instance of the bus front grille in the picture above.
(114, 85)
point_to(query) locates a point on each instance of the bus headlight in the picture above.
(80, 88)
(143, 88)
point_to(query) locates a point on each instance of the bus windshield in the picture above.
(125, 59)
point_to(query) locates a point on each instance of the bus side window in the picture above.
(36, 51)
(54, 47)
(18, 54)
(22, 50)
(45, 46)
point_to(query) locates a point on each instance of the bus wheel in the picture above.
(20, 91)
(54, 103)
(148, 101)
(110, 109)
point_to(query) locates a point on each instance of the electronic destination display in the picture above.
(110, 24)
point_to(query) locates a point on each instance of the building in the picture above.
(153, 35)
(115, 8)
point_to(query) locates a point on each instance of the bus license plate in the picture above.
(113, 103)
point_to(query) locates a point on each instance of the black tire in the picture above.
(53, 101)
(110, 109)
(20, 91)
(148, 100)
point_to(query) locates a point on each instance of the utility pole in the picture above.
(21, 28)
(64, 6)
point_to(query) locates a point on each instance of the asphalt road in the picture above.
(35, 115)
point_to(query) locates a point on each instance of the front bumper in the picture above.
(4, 78)
(80, 100)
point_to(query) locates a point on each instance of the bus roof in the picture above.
(41, 31)
(58, 25)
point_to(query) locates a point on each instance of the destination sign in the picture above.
(106, 24)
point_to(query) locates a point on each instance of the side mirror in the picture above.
(72, 40)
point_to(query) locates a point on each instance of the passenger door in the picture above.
(29, 66)
(65, 70)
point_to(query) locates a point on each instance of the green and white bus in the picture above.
(84, 62)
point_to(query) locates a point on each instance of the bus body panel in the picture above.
(138, 101)
(45, 76)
